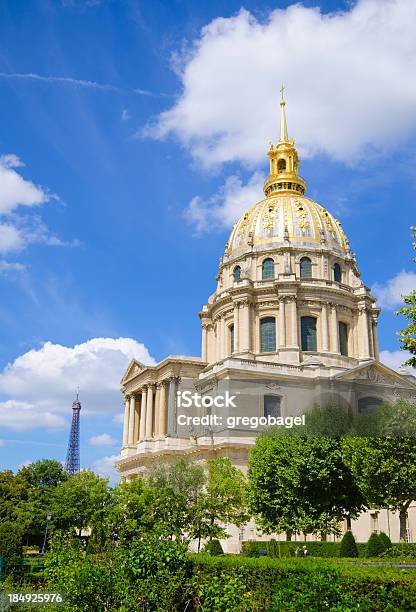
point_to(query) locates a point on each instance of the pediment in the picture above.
(377, 373)
(134, 368)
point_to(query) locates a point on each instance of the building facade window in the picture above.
(231, 328)
(343, 338)
(267, 269)
(337, 273)
(308, 333)
(268, 335)
(237, 273)
(305, 268)
(272, 406)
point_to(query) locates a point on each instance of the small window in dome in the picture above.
(337, 273)
(281, 165)
(237, 273)
(305, 268)
(308, 333)
(231, 328)
(267, 269)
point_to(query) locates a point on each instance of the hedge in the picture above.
(239, 584)
(326, 550)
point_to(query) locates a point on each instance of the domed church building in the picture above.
(289, 326)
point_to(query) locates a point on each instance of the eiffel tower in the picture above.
(72, 456)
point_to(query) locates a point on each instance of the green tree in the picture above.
(131, 514)
(408, 334)
(12, 490)
(40, 481)
(375, 546)
(83, 501)
(222, 500)
(301, 484)
(348, 546)
(11, 547)
(385, 471)
(175, 491)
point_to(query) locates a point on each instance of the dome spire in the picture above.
(283, 125)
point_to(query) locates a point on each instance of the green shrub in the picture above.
(11, 548)
(276, 549)
(213, 548)
(385, 540)
(375, 546)
(348, 546)
(401, 552)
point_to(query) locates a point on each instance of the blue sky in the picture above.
(132, 134)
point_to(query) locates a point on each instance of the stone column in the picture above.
(131, 418)
(324, 325)
(142, 430)
(282, 323)
(218, 339)
(162, 410)
(171, 407)
(293, 321)
(236, 327)
(365, 340)
(223, 338)
(375, 339)
(334, 334)
(126, 420)
(137, 419)
(204, 350)
(149, 412)
(156, 412)
(245, 342)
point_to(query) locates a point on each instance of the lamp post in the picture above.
(48, 518)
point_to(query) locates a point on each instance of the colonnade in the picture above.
(146, 411)
(216, 344)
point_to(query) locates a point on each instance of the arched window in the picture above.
(267, 269)
(267, 335)
(305, 268)
(366, 405)
(308, 333)
(337, 273)
(237, 273)
(281, 165)
(272, 406)
(231, 328)
(343, 338)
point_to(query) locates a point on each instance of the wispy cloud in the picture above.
(85, 83)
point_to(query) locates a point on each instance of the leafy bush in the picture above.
(11, 548)
(348, 546)
(385, 540)
(287, 549)
(401, 552)
(213, 548)
(375, 546)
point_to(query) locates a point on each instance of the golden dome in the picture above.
(287, 220)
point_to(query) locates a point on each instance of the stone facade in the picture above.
(290, 324)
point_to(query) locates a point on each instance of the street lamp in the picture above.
(48, 518)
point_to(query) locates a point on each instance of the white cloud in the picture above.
(119, 417)
(14, 189)
(11, 238)
(102, 440)
(223, 208)
(395, 360)
(105, 467)
(390, 294)
(44, 380)
(9, 266)
(125, 115)
(23, 416)
(347, 77)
